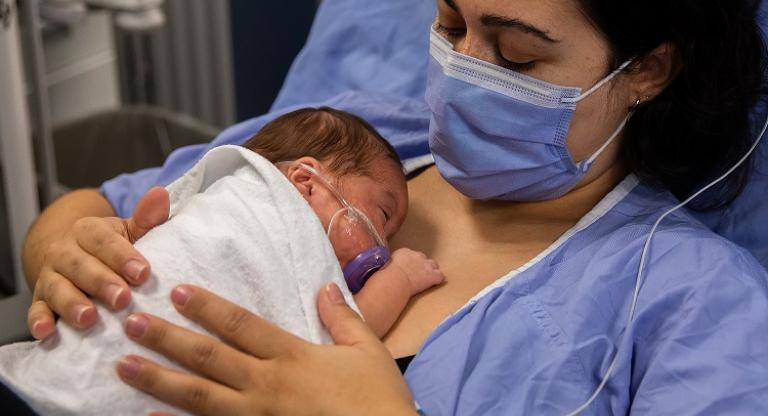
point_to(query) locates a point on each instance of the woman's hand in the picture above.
(262, 369)
(95, 257)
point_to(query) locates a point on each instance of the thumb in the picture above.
(152, 210)
(344, 324)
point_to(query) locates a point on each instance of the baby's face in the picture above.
(383, 198)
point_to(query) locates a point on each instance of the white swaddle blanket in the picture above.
(239, 228)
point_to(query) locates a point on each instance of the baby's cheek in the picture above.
(348, 244)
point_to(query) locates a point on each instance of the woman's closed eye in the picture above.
(453, 34)
(514, 65)
(450, 33)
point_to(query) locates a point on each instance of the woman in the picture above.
(561, 185)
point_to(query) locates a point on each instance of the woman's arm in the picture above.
(262, 369)
(78, 245)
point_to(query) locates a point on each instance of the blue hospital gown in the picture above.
(538, 341)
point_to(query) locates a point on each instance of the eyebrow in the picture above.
(452, 5)
(494, 20)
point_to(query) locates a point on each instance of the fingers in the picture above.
(65, 299)
(185, 391)
(107, 241)
(233, 324)
(194, 351)
(151, 210)
(95, 278)
(342, 322)
(40, 320)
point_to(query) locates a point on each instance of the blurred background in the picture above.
(93, 88)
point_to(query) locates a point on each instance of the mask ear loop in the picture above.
(587, 163)
(600, 84)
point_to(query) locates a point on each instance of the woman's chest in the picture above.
(470, 256)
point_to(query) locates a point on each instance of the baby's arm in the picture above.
(387, 292)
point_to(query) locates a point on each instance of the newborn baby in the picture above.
(368, 172)
(265, 226)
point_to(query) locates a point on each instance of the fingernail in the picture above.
(134, 269)
(84, 314)
(180, 295)
(128, 368)
(136, 325)
(334, 293)
(37, 329)
(113, 293)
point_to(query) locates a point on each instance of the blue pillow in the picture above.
(367, 46)
(745, 221)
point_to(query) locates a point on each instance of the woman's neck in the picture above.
(569, 208)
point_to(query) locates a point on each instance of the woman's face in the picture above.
(553, 41)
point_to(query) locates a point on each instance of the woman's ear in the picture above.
(654, 73)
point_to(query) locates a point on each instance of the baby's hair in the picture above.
(346, 142)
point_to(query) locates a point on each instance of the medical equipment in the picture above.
(350, 230)
(133, 15)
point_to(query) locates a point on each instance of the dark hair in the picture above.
(700, 125)
(346, 142)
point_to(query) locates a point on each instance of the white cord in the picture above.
(643, 257)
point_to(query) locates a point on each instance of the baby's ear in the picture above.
(303, 179)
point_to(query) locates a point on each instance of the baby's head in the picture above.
(349, 153)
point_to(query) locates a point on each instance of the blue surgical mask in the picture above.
(499, 134)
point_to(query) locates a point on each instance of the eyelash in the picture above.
(515, 66)
(452, 33)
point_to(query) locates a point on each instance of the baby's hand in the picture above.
(421, 271)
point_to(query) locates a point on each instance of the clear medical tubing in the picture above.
(347, 207)
(643, 259)
(351, 228)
